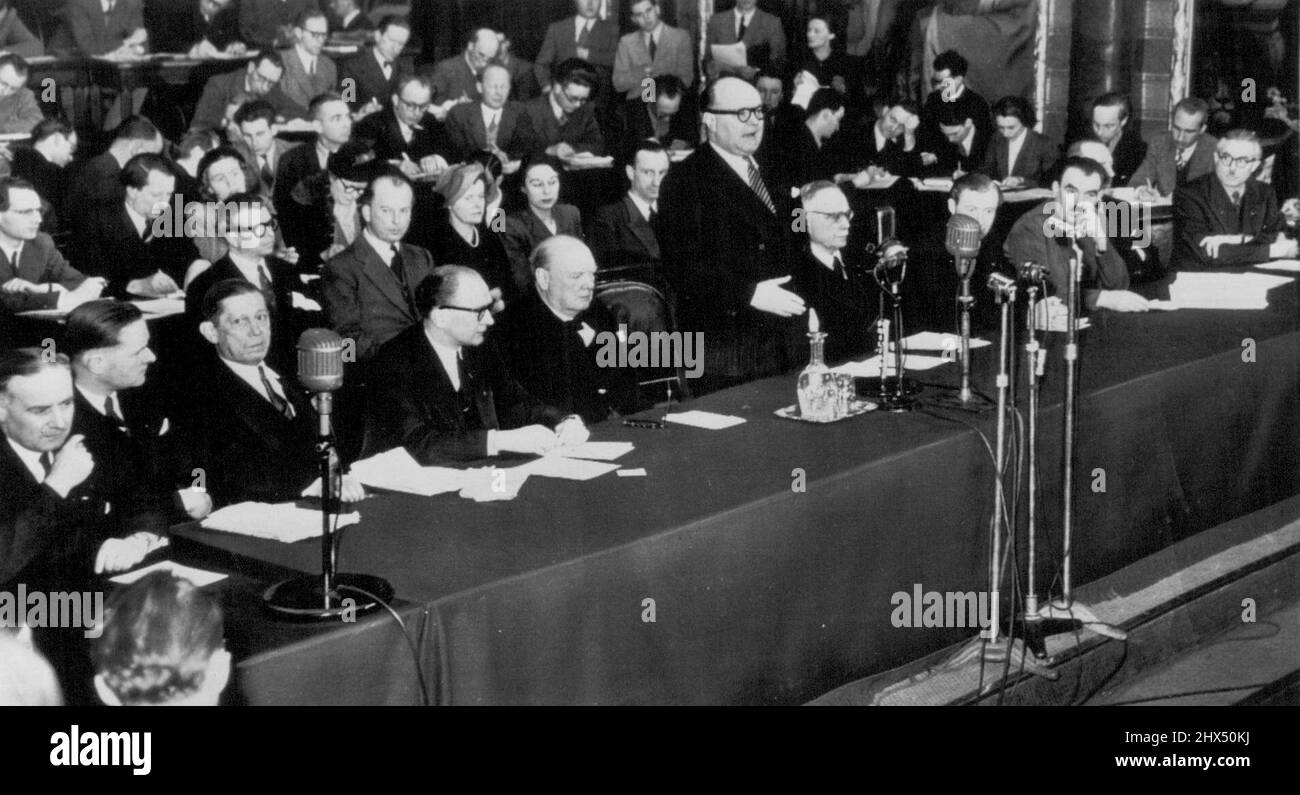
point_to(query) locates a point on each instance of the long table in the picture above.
(764, 592)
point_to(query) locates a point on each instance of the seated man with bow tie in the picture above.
(549, 335)
(439, 391)
(252, 431)
(1228, 218)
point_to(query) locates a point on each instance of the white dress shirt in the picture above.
(138, 220)
(738, 164)
(489, 114)
(1013, 150)
(642, 205)
(579, 25)
(31, 459)
(746, 18)
(251, 374)
(308, 60)
(382, 248)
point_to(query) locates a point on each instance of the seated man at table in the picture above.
(962, 143)
(33, 274)
(1179, 156)
(670, 119)
(253, 433)
(492, 124)
(198, 28)
(261, 148)
(1228, 218)
(831, 278)
(135, 242)
(564, 118)
(332, 122)
(549, 336)
(812, 147)
(307, 73)
(44, 164)
(405, 133)
(1044, 234)
(439, 391)
(951, 91)
(96, 180)
(162, 645)
(19, 112)
(370, 77)
(100, 27)
(1110, 119)
(622, 235)
(457, 78)
(891, 146)
(224, 94)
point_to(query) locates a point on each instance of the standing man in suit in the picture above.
(96, 180)
(457, 78)
(253, 432)
(332, 122)
(45, 165)
(759, 31)
(549, 335)
(653, 49)
(494, 123)
(725, 231)
(128, 241)
(564, 118)
(622, 235)
(224, 94)
(831, 278)
(439, 391)
(370, 77)
(258, 143)
(1183, 154)
(1110, 116)
(307, 73)
(405, 133)
(1228, 218)
(121, 419)
(1019, 156)
(19, 112)
(268, 24)
(950, 89)
(33, 274)
(102, 27)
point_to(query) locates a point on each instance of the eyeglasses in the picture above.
(1235, 162)
(351, 189)
(744, 114)
(420, 107)
(846, 215)
(257, 230)
(482, 312)
(317, 34)
(572, 100)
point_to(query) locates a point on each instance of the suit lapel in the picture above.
(640, 227)
(380, 274)
(252, 409)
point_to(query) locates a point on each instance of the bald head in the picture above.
(565, 272)
(726, 130)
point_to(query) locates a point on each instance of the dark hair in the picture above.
(318, 101)
(952, 114)
(311, 12)
(255, 109)
(15, 60)
(644, 145)
(668, 86)
(824, 99)
(1085, 164)
(233, 203)
(98, 324)
(1017, 107)
(952, 61)
(159, 635)
(438, 287)
(13, 183)
(392, 20)
(270, 56)
(197, 139)
(539, 160)
(22, 362)
(47, 127)
(1112, 99)
(135, 174)
(210, 308)
(1194, 106)
(135, 128)
(413, 78)
(390, 174)
(576, 71)
(974, 181)
(769, 74)
(490, 162)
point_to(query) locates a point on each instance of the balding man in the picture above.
(456, 78)
(439, 391)
(548, 336)
(494, 123)
(1228, 218)
(724, 228)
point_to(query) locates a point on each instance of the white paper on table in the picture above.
(938, 341)
(396, 470)
(588, 160)
(639, 472)
(1291, 265)
(870, 368)
(283, 521)
(160, 307)
(557, 466)
(730, 56)
(1130, 195)
(1027, 194)
(704, 419)
(491, 484)
(596, 451)
(199, 577)
(1199, 290)
(933, 183)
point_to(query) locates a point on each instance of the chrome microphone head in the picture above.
(320, 360)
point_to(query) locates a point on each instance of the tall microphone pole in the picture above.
(962, 241)
(890, 270)
(332, 595)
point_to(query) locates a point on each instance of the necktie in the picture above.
(653, 215)
(13, 261)
(1236, 198)
(264, 282)
(756, 185)
(387, 68)
(110, 411)
(492, 133)
(281, 405)
(398, 266)
(311, 69)
(585, 34)
(47, 463)
(650, 45)
(108, 7)
(268, 176)
(839, 268)
(740, 29)
(1180, 161)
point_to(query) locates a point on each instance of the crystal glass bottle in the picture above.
(818, 391)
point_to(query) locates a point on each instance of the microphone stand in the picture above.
(890, 272)
(966, 398)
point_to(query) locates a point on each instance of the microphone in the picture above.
(963, 243)
(320, 360)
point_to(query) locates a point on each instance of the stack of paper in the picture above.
(704, 419)
(555, 465)
(284, 521)
(1191, 290)
(160, 307)
(199, 577)
(1027, 194)
(396, 470)
(1289, 265)
(596, 451)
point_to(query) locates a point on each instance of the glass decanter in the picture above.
(818, 391)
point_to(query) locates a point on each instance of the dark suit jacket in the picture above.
(1026, 242)
(285, 324)
(452, 79)
(684, 126)
(296, 88)
(39, 262)
(807, 161)
(561, 43)
(764, 40)
(1161, 164)
(178, 27)
(719, 241)
(551, 361)
(220, 92)
(524, 230)
(93, 182)
(970, 103)
(674, 54)
(952, 158)
(891, 157)
(15, 37)
(847, 307)
(1035, 162)
(260, 20)
(51, 183)
(580, 130)
(412, 404)
(1128, 154)
(468, 135)
(384, 130)
(364, 300)
(1202, 207)
(247, 449)
(110, 247)
(296, 165)
(368, 79)
(624, 243)
(87, 31)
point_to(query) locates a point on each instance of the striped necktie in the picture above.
(756, 185)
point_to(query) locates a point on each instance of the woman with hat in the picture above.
(328, 204)
(464, 234)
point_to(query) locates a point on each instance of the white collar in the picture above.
(250, 267)
(654, 34)
(490, 113)
(881, 138)
(379, 59)
(31, 459)
(96, 400)
(382, 248)
(747, 16)
(823, 255)
(307, 58)
(556, 110)
(738, 164)
(141, 223)
(968, 143)
(449, 356)
(11, 251)
(580, 23)
(642, 205)
(251, 374)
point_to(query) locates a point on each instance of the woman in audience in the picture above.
(463, 233)
(1034, 159)
(187, 155)
(331, 217)
(831, 66)
(543, 217)
(221, 173)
